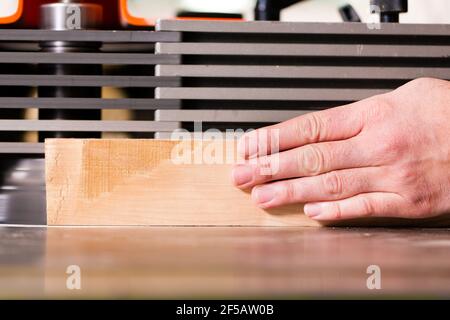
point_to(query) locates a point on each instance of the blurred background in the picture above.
(420, 11)
(146, 12)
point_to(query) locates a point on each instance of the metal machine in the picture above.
(227, 75)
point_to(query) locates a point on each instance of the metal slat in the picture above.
(87, 81)
(198, 135)
(228, 115)
(300, 72)
(86, 126)
(304, 50)
(268, 27)
(21, 148)
(88, 103)
(88, 36)
(88, 58)
(319, 94)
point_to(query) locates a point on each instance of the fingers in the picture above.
(328, 125)
(305, 161)
(362, 205)
(330, 186)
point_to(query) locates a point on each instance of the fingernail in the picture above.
(242, 175)
(312, 209)
(264, 195)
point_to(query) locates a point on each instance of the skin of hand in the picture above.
(385, 156)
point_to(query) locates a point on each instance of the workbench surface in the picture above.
(169, 262)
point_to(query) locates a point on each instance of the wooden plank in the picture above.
(141, 183)
(136, 182)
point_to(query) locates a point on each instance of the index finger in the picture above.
(321, 126)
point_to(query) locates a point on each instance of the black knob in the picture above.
(269, 10)
(349, 14)
(390, 9)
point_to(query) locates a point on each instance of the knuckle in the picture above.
(311, 160)
(265, 168)
(289, 192)
(367, 207)
(415, 190)
(421, 200)
(434, 88)
(393, 146)
(418, 82)
(336, 212)
(311, 127)
(421, 83)
(420, 206)
(333, 184)
(407, 175)
(378, 108)
(391, 143)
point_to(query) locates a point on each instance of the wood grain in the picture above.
(136, 182)
(128, 182)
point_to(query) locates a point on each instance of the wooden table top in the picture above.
(169, 262)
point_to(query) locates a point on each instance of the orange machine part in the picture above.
(129, 19)
(15, 17)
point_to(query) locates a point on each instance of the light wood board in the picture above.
(136, 182)
(127, 182)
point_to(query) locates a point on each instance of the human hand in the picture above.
(385, 156)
